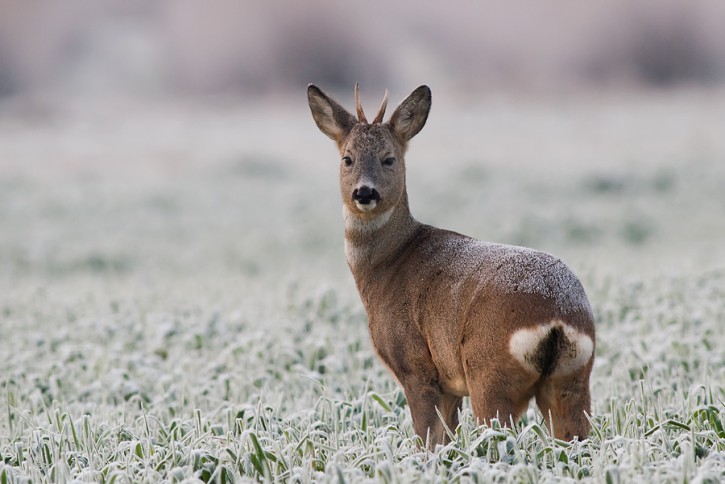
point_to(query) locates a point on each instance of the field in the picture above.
(175, 303)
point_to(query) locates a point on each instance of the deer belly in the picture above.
(451, 376)
(455, 385)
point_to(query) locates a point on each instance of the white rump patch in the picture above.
(525, 342)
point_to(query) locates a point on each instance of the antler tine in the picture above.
(360, 114)
(381, 111)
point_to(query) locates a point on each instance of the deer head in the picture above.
(372, 165)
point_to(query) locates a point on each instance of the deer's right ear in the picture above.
(331, 118)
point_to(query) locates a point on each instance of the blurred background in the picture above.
(255, 48)
(174, 136)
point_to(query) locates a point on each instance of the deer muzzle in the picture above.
(365, 195)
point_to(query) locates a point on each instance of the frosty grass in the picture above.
(188, 315)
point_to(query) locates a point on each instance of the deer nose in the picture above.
(364, 195)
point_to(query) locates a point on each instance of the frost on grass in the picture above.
(162, 325)
(150, 387)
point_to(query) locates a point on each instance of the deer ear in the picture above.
(410, 117)
(331, 118)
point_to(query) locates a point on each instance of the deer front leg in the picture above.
(405, 352)
(423, 399)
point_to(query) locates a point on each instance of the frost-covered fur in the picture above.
(449, 315)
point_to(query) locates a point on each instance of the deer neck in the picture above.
(371, 242)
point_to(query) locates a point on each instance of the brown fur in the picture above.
(442, 307)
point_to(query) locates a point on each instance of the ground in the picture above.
(175, 303)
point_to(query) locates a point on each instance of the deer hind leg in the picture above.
(498, 390)
(423, 400)
(562, 356)
(565, 403)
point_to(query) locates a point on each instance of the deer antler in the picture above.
(360, 114)
(381, 111)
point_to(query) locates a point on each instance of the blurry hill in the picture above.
(189, 47)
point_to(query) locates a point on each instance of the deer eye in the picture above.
(347, 160)
(389, 161)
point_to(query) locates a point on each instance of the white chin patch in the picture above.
(367, 208)
(355, 223)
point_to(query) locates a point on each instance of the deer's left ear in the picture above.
(410, 117)
(331, 118)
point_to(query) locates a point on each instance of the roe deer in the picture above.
(449, 315)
